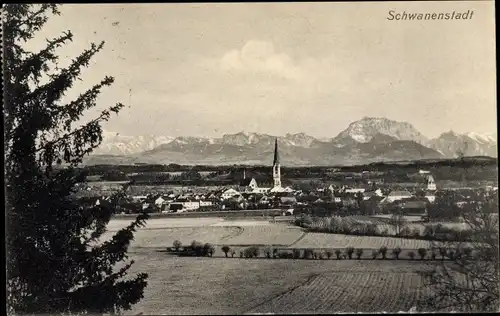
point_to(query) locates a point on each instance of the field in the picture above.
(228, 286)
(219, 285)
(160, 233)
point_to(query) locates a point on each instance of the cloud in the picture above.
(259, 57)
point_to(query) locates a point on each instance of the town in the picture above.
(358, 193)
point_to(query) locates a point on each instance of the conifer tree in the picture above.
(54, 264)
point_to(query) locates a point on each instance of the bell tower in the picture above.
(276, 166)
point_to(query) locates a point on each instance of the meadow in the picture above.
(234, 285)
(187, 285)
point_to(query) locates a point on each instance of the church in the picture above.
(250, 185)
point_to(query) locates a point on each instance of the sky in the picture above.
(212, 69)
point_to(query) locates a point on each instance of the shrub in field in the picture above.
(422, 252)
(197, 248)
(383, 251)
(225, 250)
(433, 255)
(315, 255)
(329, 254)
(308, 253)
(359, 253)
(338, 253)
(321, 256)
(241, 254)
(374, 254)
(451, 255)
(349, 251)
(275, 253)
(208, 250)
(296, 253)
(177, 244)
(282, 255)
(384, 232)
(411, 254)
(233, 252)
(268, 252)
(396, 252)
(248, 252)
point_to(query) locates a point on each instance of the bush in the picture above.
(433, 255)
(275, 253)
(208, 250)
(241, 254)
(197, 248)
(308, 253)
(396, 252)
(268, 251)
(383, 251)
(349, 251)
(296, 253)
(374, 254)
(321, 256)
(359, 253)
(177, 244)
(226, 250)
(233, 252)
(451, 255)
(411, 254)
(384, 233)
(329, 254)
(315, 255)
(338, 253)
(251, 252)
(422, 252)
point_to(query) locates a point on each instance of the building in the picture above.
(431, 184)
(248, 185)
(276, 166)
(397, 196)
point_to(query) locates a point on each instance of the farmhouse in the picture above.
(397, 196)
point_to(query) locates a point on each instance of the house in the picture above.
(229, 194)
(355, 190)
(159, 201)
(423, 172)
(414, 207)
(318, 201)
(260, 190)
(367, 195)
(430, 196)
(248, 185)
(336, 199)
(397, 196)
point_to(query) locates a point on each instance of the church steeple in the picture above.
(276, 153)
(276, 166)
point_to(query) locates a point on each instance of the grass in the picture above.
(180, 285)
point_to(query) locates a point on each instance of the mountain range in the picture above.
(367, 140)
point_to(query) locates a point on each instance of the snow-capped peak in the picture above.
(482, 138)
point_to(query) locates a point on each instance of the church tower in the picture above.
(276, 166)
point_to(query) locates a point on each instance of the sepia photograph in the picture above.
(250, 158)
